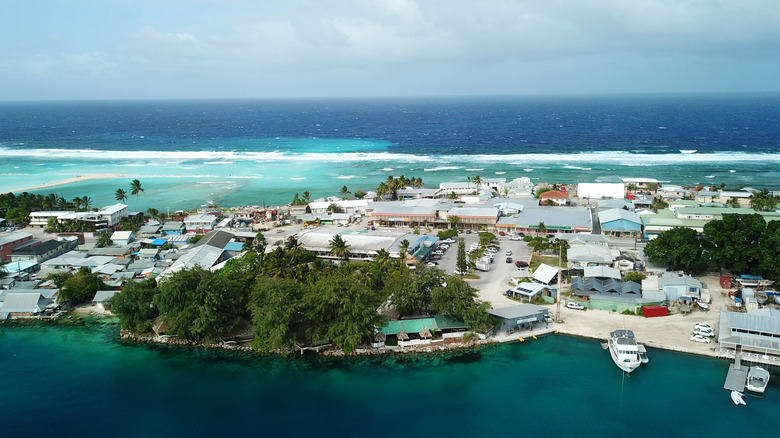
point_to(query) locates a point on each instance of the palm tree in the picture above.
(76, 202)
(381, 190)
(135, 189)
(61, 203)
(382, 259)
(85, 202)
(120, 195)
(453, 220)
(541, 228)
(344, 192)
(477, 181)
(339, 248)
(49, 201)
(403, 249)
(306, 196)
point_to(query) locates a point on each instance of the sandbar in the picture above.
(63, 182)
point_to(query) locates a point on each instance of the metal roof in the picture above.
(545, 273)
(16, 302)
(518, 311)
(103, 295)
(409, 326)
(615, 214)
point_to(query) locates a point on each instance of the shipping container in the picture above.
(725, 282)
(652, 311)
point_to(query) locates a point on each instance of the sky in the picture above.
(176, 49)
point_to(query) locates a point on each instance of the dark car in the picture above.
(521, 264)
(509, 259)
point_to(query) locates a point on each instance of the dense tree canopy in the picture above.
(79, 287)
(680, 248)
(134, 305)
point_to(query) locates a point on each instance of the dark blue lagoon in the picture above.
(83, 381)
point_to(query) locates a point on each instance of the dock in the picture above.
(735, 379)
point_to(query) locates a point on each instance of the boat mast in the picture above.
(558, 292)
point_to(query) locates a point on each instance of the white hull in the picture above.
(736, 397)
(757, 379)
(624, 350)
(624, 365)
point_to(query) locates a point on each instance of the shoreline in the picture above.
(71, 180)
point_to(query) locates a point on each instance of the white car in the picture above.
(458, 272)
(702, 332)
(575, 306)
(700, 338)
(700, 326)
(447, 241)
(509, 252)
(515, 237)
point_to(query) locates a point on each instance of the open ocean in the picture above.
(70, 381)
(260, 152)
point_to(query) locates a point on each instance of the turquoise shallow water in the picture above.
(82, 381)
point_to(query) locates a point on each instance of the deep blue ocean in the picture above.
(70, 381)
(188, 153)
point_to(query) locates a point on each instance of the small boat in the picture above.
(761, 297)
(736, 397)
(642, 353)
(624, 350)
(703, 306)
(757, 379)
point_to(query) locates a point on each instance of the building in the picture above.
(10, 240)
(573, 220)
(200, 223)
(521, 316)
(587, 255)
(37, 251)
(474, 218)
(173, 227)
(675, 286)
(756, 334)
(21, 304)
(618, 222)
(414, 212)
(600, 191)
(554, 197)
(122, 238)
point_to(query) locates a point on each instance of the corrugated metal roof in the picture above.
(409, 326)
(518, 311)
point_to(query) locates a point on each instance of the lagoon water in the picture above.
(260, 152)
(82, 381)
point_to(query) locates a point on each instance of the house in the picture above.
(122, 238)
(673, 286)
(21, 304)
(10, 240)
(575, 219)
(600, 191)
(520, 316)
(200, 223)
(37, 251)
(554, 197)
(40, 219)
(101, 296)
(618, 222)
(583, 256)
(150, 229)
(173, 227)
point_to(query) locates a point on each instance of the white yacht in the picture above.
(624, 350)
(757, 379)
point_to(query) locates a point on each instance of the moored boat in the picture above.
(624, 350)
(757, 379)
(736, 397)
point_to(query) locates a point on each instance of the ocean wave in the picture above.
(473, 170)
(443, 162)
(298, 179)
(347, 176)
(436, 169)
(569, 166)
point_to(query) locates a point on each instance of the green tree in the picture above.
(134, 305)
(764, 200)
(342, 310)
(278, 319)
(541, 228)
(411, 291)
(460, 262)
(736, 242)
(360, 194)
(658, 204)
(680, 248)
(403, 249)
(199, 304)
(634, 276)
(80, 287)
(195, 239)
(459, 300)
(104, 240)
(485, 238)
(306, 196)
(453, 220)
(344, 192)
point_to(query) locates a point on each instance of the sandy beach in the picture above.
(63, 182)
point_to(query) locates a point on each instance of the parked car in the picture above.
(509, 259)
(509, 252)
(431, 264)
(515, 237)
(702, 332)
(458, 272)
(521, 264)
(575, 306)
(703, 326)
(700, 338)
(501, 233)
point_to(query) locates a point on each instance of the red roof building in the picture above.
(553, 197)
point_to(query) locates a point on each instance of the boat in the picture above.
(736, 397)
(761, 297)
(624, 350)
(757, 379)
(643, 353)
(703, 306)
